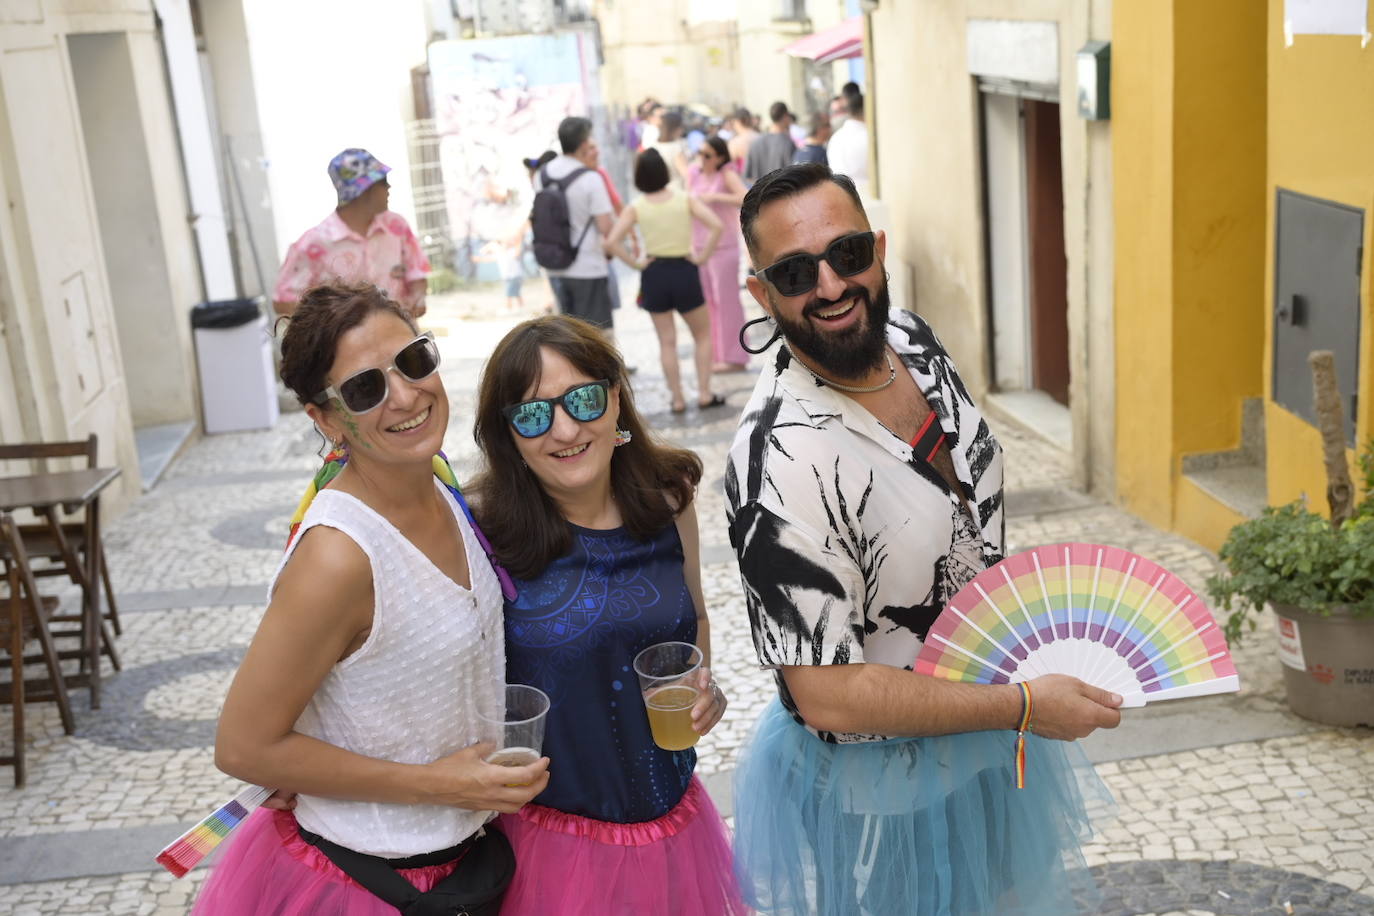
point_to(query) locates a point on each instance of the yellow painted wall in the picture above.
(1142, 138)
(1321, 142)
(1219, 218)
(1188, 110)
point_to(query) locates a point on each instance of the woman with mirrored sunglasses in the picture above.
(594, 518)
(671, 281)
(358, 698)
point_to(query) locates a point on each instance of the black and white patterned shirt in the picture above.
(849, 546)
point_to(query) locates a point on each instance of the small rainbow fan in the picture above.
(1105, 615)
(186, 851)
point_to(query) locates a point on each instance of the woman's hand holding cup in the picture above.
(711, 703)
(466, 780)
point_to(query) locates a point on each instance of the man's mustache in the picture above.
(822, 305)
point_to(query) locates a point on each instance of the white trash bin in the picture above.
(238, 388)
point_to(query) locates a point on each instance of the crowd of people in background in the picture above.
(760, 145)
(710, 161)
(707, 163)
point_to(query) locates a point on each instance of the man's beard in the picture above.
(847, 354)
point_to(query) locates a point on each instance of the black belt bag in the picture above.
(486, 865)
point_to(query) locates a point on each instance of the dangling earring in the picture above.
(623, 437)
(744, 331)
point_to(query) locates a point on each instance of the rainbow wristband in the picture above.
(1021, 729)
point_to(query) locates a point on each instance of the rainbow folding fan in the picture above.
(1102, 614)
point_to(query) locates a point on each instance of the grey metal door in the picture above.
(1318, 252)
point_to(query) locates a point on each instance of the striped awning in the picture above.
(838, 42)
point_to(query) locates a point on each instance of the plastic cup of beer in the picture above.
(668, 680)
(516, 726)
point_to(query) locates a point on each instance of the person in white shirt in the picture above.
(847, 151)
(382, 646)
(582, 286)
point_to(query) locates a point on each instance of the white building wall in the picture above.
(197, 149)
(248, 198)
(66, 356)
(63, 371)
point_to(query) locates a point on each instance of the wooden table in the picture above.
(72, 491)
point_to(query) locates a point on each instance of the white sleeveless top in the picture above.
(410, 694)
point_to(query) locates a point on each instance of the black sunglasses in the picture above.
(584, 403)
(366, 390)
(799, 273)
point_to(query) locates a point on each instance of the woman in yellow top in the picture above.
(670, 281)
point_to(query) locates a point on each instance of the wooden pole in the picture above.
(1340, 493)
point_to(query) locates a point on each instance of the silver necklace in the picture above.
(854, 389)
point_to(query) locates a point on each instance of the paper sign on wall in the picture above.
(1290, 644)
(1326, 17)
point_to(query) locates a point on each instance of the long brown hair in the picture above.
(650, 480)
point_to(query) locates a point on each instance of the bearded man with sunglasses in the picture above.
(863, 490)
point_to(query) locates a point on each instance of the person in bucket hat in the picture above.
(361, 241)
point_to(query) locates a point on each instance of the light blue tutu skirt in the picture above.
(928, 826)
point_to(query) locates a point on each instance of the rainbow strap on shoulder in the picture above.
(334, 463)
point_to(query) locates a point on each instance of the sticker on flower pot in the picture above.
(1290, 644)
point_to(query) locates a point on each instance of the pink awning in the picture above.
(835, 43)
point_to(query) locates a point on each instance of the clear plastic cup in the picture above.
(668, 681)
(516, 727)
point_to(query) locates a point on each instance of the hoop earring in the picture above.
(744, 331)
(623, 437)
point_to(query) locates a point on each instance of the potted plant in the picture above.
(1319, 579)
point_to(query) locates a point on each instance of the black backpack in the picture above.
(554, 247)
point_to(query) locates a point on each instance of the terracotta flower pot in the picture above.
(1328, 665)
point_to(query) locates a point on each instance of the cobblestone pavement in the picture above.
(1226, 805)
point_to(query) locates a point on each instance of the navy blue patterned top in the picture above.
(574, 632)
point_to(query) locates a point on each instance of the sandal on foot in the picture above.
(679, 408)
(716, 401)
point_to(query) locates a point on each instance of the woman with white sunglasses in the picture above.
(595, 521)
(381, 640)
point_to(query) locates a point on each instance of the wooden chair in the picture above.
(25, 618)
(59, 544)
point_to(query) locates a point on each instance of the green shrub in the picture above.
(1291, 555)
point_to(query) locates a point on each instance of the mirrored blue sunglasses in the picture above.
(584, 403)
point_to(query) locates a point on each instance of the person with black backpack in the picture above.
(571, 215)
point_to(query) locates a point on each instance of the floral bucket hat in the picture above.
(354, 171)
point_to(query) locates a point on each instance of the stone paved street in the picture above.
(1227, 805)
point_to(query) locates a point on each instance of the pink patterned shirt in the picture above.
(389, 257)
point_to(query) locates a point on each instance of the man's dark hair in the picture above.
(788, 181)
(853, 99)
(819, 123)
(572, 133)
(671, 126)
(651, 172)
(742, 117)
(777, 112)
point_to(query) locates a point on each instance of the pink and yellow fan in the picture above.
(1105, 615)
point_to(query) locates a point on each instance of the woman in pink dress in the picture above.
(714, 181)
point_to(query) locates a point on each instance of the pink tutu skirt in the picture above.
(567, 865)
(268, 869)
